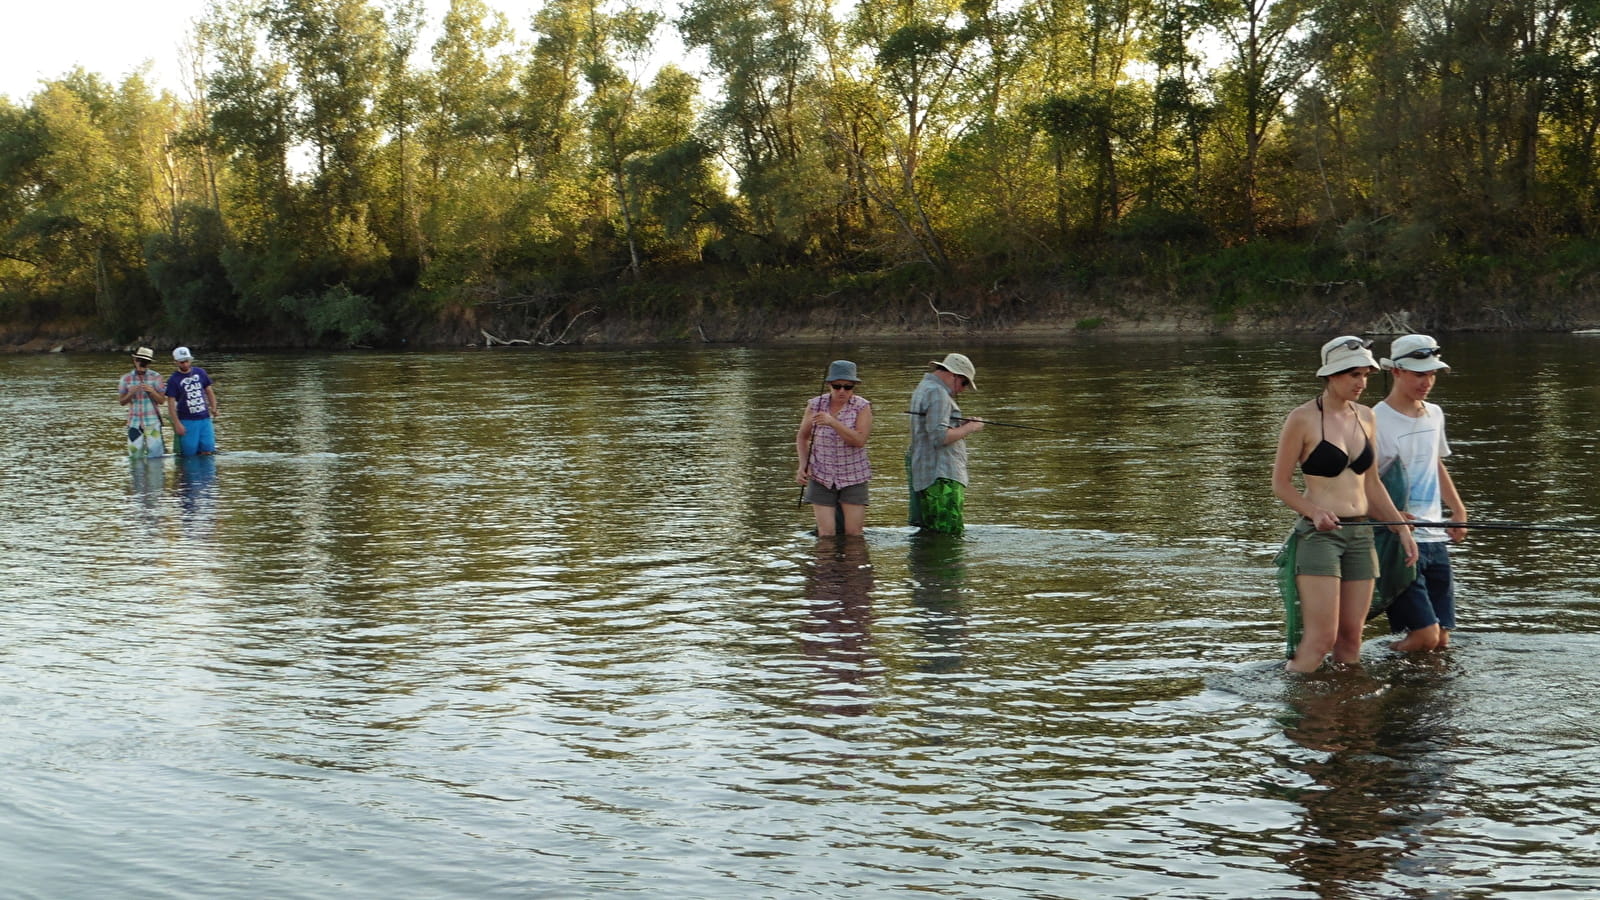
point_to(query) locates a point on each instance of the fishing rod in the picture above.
(1494, 526)
(994, 423)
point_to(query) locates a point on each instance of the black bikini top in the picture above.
(1326, 460)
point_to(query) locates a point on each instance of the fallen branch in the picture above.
(1324, 286)
(560, 338)
(937, 312)
(490, 340)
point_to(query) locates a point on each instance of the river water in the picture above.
(549, 624)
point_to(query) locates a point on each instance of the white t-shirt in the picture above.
(1418, 443)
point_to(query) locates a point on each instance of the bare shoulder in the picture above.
(1304, 413)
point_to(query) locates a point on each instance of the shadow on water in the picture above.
(1381, 738)
(838, 624)
(938, 567)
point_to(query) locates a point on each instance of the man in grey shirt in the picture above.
(936, 461)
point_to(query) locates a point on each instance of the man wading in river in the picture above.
(192, 405)
(936, 461)
(140, 391)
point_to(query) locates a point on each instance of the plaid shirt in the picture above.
(142, 411)
(933, 413)
(833, 462)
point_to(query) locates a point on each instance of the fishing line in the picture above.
(1493, 526)
(988, 422)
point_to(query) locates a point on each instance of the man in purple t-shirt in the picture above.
(192, 405)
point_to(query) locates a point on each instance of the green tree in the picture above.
(610, 45)
(1264, 67)
(767, 117)
(918, 52)
(80, 169)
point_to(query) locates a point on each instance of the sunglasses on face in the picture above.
(141, 363)
(1424, 353)
(843, 387)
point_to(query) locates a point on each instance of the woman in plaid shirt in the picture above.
(140, 391)
(832, 446)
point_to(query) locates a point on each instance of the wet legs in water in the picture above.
(1333, 614)
(846, 518)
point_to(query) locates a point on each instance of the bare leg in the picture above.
(827, 519)
(855, 518)
(1319, 621)
(1355, 598)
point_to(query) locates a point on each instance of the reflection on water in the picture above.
(838, 624)
(1381, 740)
(937, 565)
(148, 482)
(197, 491)
(553, 618)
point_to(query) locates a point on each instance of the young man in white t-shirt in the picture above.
(1411, 435)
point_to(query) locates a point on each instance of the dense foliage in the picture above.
(336, 177)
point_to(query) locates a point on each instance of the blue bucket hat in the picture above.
(842, 370)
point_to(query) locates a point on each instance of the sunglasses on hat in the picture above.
(1424, 353)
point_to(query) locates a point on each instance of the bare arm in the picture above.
(855, 437)
(1452, 502)
(960, 432)
(802, 444)
(1291, 444)
(172, 413)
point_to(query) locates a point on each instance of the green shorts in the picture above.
(1344, 553)
(940, 507)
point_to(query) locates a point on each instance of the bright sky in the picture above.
(45, 39)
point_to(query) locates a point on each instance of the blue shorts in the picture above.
(198, 437)
(1431, 599)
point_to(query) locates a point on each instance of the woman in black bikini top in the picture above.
(1334, 566)
(1327, 460)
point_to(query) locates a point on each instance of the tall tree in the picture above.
(918, 50)
(80, 168)
(768, 112)
(613, 45)
(1263, 68)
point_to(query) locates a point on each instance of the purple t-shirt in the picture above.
(189, 389)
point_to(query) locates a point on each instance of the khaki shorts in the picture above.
(1345, 553)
